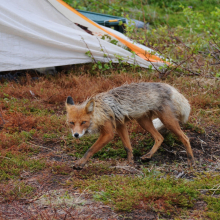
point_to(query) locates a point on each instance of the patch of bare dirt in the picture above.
(206, 150)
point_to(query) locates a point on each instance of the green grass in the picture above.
(154, 190)
(21, 190)
(194, 128)
(213, 207)
(25, 106)
(154, 12)
(17, 190)
(12, 165)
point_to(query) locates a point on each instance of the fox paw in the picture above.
(191, 161)
(77, 166)
(130, 163)
(146, 157)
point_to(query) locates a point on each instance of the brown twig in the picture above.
(92, 57)
(167, 73)
(2, 119)
(184, 67)
(179, 41)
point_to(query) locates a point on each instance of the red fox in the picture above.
(109, 111)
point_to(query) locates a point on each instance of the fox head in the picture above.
(79, 116)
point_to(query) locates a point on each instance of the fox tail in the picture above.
(182, 107)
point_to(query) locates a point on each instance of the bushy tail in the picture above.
(182, 107)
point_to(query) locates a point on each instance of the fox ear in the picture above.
(69, 101)
(90, 106)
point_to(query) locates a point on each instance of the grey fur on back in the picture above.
(136, 99)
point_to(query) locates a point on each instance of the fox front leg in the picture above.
(106, 135)
(123, 133)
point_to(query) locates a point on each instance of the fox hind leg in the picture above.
(172, 124)
(146, 123)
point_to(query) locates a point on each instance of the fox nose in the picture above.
(76, 135)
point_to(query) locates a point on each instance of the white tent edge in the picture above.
(30, 37)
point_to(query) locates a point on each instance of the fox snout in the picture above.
(78, 135)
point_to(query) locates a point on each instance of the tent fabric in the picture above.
(36, 34)
(99, 30)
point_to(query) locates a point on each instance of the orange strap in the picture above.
(112, 20)
(139, 51)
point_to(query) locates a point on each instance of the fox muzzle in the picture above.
(77, 135)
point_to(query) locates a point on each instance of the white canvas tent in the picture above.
(46, 33)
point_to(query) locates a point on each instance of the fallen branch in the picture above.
(41, 146)
(216, 190)
(180, 174)
(210, 189)
(5, 157)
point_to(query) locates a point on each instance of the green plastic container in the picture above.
(105, 20)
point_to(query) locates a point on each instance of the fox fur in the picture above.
(109, 111)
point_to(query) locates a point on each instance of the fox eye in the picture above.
(83, 122)
(72, 123)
